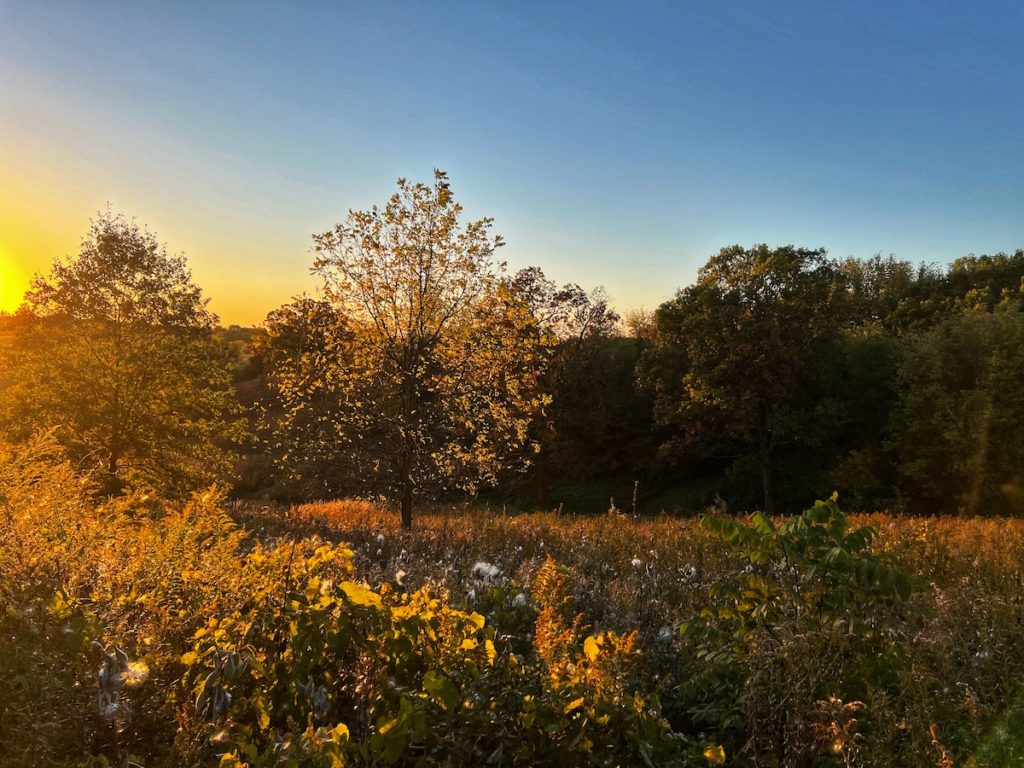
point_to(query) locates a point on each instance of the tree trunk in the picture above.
(410, 408)
(405, 471)
(407, 507)
(768, 485)
(764, 437)
(113, 483)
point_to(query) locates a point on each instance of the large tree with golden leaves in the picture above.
(433, 367)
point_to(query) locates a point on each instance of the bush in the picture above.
(811, 619)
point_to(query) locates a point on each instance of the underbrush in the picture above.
(163, 634)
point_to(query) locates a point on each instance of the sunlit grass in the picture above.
(83, 576)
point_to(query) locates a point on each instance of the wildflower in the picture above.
(715, 754)
(637, 563)
(316, 695)
(400, 577)
(114, 710)
(486, 572)
(380, 538)
(116, 674)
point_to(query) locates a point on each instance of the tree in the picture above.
(598, 423)
(740, 357)
(436, 379)
(568, 313)
(955, 432)
(889, 292)
(114, 350)
(986, 282)
(306, 409)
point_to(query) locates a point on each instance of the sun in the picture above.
(13, 282)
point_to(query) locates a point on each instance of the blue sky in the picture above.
(616, 144)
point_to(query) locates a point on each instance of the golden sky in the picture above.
(44, 215)
(12, 281)
(28, 240)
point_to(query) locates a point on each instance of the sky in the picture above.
(619, 144)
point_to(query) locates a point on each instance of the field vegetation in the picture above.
(203, 632)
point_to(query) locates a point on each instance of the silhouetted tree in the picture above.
(114, 349)
(741, 356)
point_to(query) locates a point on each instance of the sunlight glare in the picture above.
(13, 282)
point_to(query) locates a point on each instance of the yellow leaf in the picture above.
(715, 754)
(262, 712)
(359, 594)
(574, 704)
(591, 648)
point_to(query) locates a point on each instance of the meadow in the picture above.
(142, 631)
(160, 604)
(756, 501)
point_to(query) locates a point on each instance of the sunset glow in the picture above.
(13, 282)
(539, 384)
(236, 132)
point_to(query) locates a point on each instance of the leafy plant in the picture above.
(809, 584)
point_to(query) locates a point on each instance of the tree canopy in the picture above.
(748, 346)
(114, 350)
(428, 363)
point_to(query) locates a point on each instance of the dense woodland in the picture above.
(427, 370)
(315, 543)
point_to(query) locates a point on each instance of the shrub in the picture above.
(810, 618)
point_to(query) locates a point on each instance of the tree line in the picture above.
(425, 369)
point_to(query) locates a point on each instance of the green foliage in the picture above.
(893, 382)
(262, 644)
(955, 431)
(215, 649)
(306, 347)
(595, 404)
(810, 581)
(741, 356)
(330, 672)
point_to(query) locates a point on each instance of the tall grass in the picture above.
(526, 639)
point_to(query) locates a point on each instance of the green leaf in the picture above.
(442, 690)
